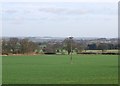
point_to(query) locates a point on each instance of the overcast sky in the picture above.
(60, 19)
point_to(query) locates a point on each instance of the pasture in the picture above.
(56, 69)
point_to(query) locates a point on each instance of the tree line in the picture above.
(18, 46)
(25, 46)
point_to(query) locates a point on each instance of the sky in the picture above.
(60, 19)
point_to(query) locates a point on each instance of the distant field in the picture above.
(56, 69)
(100, 51)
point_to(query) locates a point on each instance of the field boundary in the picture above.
(60, 85)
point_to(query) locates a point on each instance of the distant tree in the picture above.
(102, 46)
(5, 47)
(28, 46)
(13, 45)
(80, 47)
(67, 43)
(32, 46)
(49, 49)
(92, 46)
(110, 46)
(58, 46)
(24, 46)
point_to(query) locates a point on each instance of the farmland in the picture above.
(56, 69)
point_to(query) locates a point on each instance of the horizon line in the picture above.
(55, 37)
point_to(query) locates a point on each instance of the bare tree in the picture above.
(28, 46)
(67, 43)
(12, 43)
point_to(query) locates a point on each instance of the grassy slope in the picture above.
(56, 69)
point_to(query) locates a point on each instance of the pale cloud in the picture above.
(79, 11)
(64, 11)
(9, 11)
(52, 10)
(111, 1)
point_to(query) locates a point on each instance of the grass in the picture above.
(56, 69)
(0, 70)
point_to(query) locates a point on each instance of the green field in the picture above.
(56, 69)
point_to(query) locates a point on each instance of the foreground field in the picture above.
(56, 69)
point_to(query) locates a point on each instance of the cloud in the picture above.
(64, 11)
(52, 10)
(78, 12)
(112, 1)
(9, 11)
